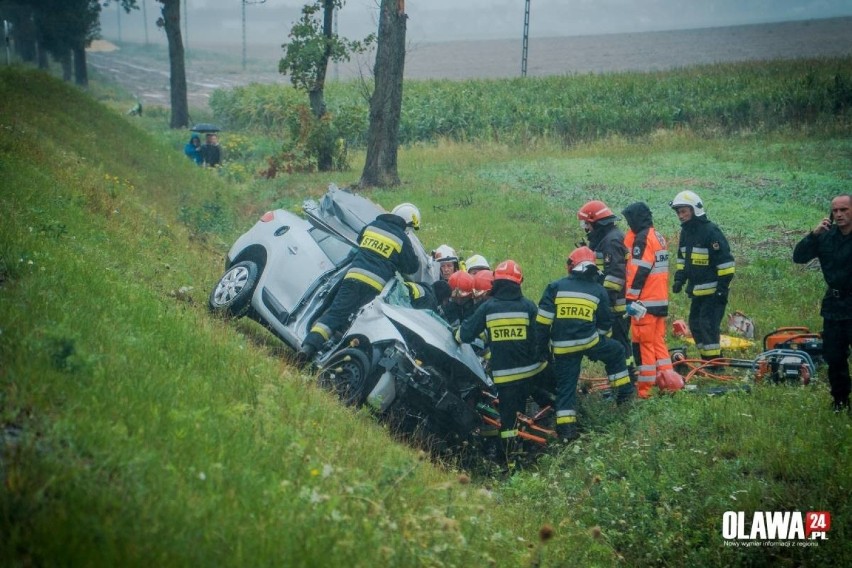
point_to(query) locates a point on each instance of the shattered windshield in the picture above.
(396, 294)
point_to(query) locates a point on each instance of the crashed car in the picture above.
(403, 361)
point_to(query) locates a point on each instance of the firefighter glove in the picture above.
(678, 286)
(721, 295)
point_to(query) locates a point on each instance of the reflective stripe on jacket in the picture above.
(648, 271)
(607, 240)
(383, 250)
(572, 315)
(508, 320)
(704, 260)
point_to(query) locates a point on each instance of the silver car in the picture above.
(403, 361)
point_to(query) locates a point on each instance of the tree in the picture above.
(170, 21)
(380, 166)
(312, 45)
(58, 27)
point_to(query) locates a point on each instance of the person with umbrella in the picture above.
(211, 152)
(192, 149)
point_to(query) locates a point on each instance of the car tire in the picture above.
(231, 297)
(347, 374)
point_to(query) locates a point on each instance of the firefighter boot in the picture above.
(624, 394)
(566, 433)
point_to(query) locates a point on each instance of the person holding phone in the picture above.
(831, 242)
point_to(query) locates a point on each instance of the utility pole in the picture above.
(118, 15)
(244, 2)
(185, 31)
(7, 41)
(526, 44)
(145, 19)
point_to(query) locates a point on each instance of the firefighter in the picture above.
(507, 319)
(574, 318)
(607, 241)
(461, 298)
(831, 242)
(476, 263)
(447, 259)
(647, 297)
(483, 282)
(705, 268)
(383, 250)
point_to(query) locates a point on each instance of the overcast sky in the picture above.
(267, 23)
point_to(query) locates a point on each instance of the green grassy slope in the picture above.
(137, 430)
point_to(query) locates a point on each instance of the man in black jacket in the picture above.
(607, 241)
(573, 320)
(831, 243)
(705, 267)
(383, 250)
(508, 320)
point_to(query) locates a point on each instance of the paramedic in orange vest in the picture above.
(647, 296)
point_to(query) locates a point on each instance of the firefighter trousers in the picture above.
(567, 371)
(351, 295)
(649, 335)
(705, 317)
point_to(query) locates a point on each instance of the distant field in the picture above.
(145, 73)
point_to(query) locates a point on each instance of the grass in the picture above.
(137, 430)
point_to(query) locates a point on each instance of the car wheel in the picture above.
(232, 294)
(347, 375)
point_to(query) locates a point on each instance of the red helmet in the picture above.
(461, 283)
(594, 211)
(509, 270)
(580, 259)
(482, 282)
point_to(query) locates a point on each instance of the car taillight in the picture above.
(268, 216)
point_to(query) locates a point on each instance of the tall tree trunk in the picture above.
(81, 74)
(177, 79)
(380, 167)
(67, 68)
(316, 95)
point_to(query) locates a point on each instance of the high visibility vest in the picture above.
(648, 270)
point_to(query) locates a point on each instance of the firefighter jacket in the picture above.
(572, 315)
(648, 264)
(704, 260)
(508, 320)
(607, 240)
(834, 251)
(383, 250)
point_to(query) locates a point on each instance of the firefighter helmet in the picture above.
(445, 253)
(476, 263)
(688, 198)
(509, 270)
(580, 259)
(594, 211)
(409, 213)
(461, 284)
(482, 283)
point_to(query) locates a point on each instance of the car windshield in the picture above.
(396, 294)
(334, 248)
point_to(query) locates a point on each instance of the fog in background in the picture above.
(211, 22)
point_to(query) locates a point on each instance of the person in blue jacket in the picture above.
(192, 149)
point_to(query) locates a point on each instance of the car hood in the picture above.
(437, 335)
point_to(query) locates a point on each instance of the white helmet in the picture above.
(445, 253)
(689, 198)
(409, 213)
(476, 262)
